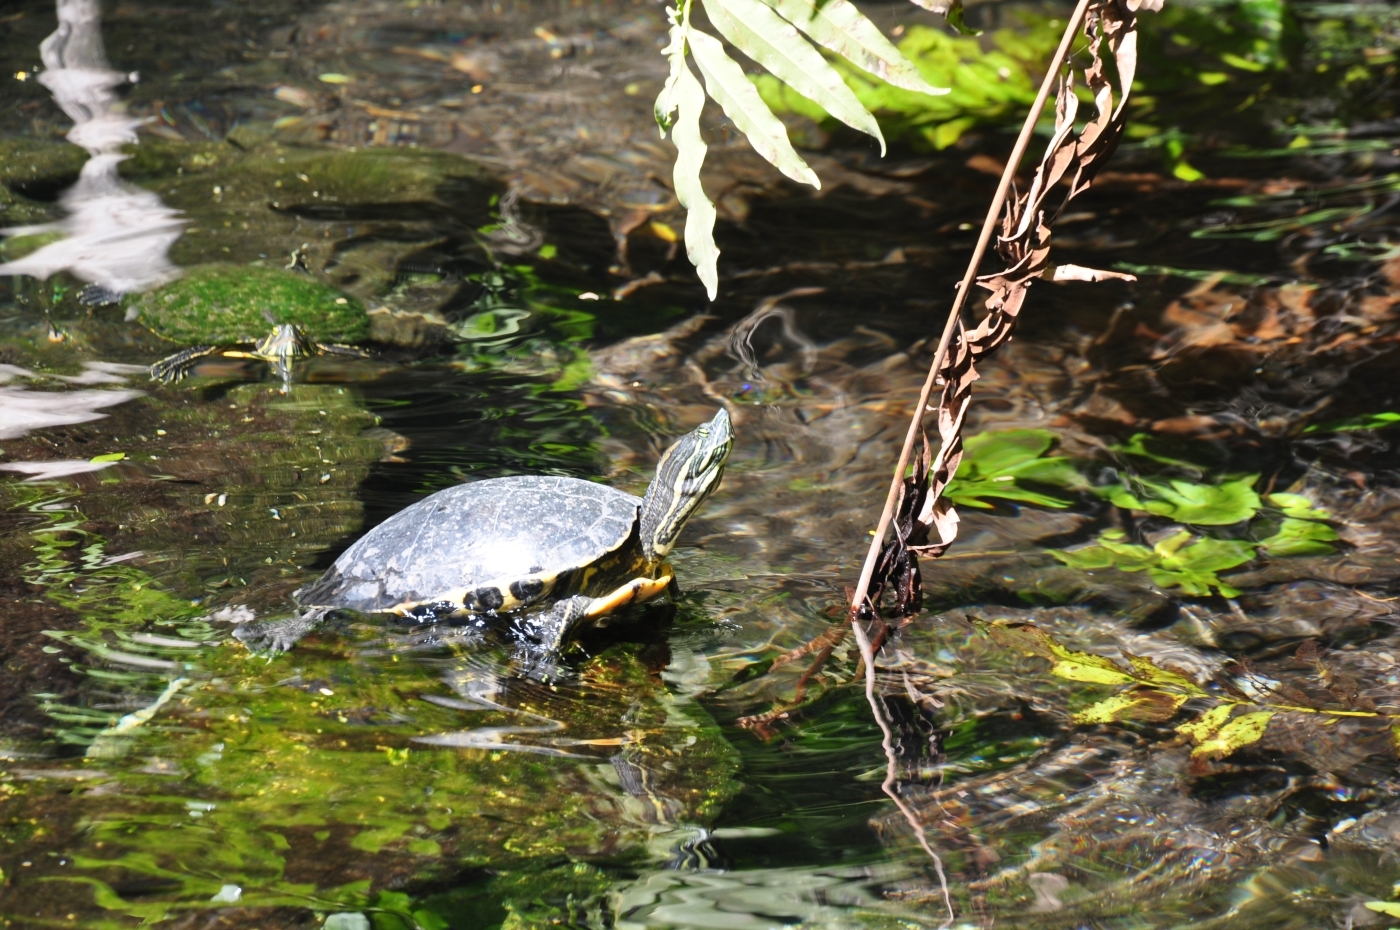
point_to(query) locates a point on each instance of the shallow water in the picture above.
(712, 762)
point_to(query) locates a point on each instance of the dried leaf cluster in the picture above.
(926, 522)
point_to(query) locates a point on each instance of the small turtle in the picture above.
(549, 552)
(280, 348)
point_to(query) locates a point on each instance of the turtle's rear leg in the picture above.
(175, 367)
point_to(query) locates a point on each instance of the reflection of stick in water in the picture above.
(116, 236)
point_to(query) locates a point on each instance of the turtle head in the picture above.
(685, 476)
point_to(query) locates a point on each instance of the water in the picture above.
(712, 762)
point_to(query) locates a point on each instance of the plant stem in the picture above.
(988, 225)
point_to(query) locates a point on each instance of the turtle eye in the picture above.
(702, 431)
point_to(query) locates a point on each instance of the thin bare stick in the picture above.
(1052, 74)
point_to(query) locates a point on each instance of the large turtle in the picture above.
(549, 552)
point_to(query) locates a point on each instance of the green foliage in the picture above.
(986, 85)
(994, 463)
(1363, 422)
(1179, 561)
(1193, 563)
(1188, 502)
(222, 304)
(1299, 537)
(771, 32)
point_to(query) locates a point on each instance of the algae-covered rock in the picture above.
(223, 304)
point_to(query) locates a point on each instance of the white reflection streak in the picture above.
(116, 235)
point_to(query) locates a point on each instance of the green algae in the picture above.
(223, 304)
(213, 779)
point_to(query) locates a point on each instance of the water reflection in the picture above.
(116, 236)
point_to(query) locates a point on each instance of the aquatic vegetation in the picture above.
(1179, 561)
(1238, 709)
(227, 304)
(1232, 501)
(1192, 563)
(996, 461)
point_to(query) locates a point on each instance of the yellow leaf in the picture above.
(1153, 673)
(1146, 704)
(1236, 734)
(1204, 726)
(1389, 908)
(1092, 672)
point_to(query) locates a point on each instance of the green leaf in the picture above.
(994, 461)
(1296, 505)
(1365, 421)
(1171, 563)
(1299, 537)
(1137, 445)
(736, 94)
(108, 457)
(1235, 735)
(839, 27)
(768, 39)
(683, 94)
(1199, 504)
(1210, 555)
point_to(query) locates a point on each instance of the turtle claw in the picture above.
(271, 638)
(175, 367)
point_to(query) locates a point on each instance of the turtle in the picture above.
(279, 348)
(545, 551)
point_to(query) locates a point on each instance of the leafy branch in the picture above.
(1072, 158)
(771, 33)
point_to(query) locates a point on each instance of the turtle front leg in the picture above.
(175, 367)
(553, 627)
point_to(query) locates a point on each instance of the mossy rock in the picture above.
(225, 304)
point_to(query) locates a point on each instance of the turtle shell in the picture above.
(488, 545)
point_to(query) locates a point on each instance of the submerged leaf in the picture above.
(1366, 421)
(1299, 537)
(1238, 733)
(1151, 672)
(993, 463)
(839, 27)
(1388, 908)
(1296, 505)
(1146, 704)
(736, 94)
(1199, 504)
(1206, 725)
(768, 39)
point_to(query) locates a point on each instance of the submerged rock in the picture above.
(219, 303)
